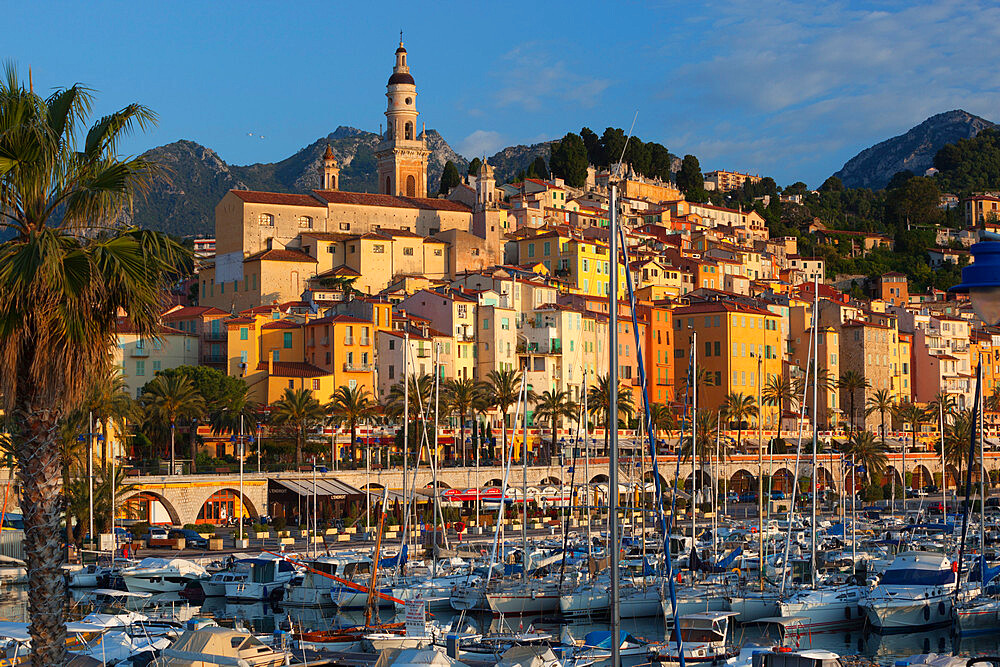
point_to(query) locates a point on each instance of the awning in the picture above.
(325, 486)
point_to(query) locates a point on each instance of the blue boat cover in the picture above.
(602, 638)
(982, 567)
(392, 561)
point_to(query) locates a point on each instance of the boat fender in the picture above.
(927, 613)
(942, 610)
(954, 566)
(736, 571)
(784, 649)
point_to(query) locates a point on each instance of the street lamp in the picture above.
(981, 281)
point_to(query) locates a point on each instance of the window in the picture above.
(353, 384)
(547, 250)
(287, 340)
(708, 349)
(717, 347)
(275, 355)
(438, 252)
(407, 251)
(486, 324)
(244, 333)
(305, 222)
(266, 219)
(531, 250)
(157, 366)
(140, 367)
(345, 227)
(378, 248)
(243, 357)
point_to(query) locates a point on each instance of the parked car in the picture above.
(748, 497)
(777, 495)
(192, 538)
(935, 508)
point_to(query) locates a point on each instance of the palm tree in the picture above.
(502, 390)
(352, 406)
(867, 452)
(739, 408)
(108, 400)
(554, 405)
(914, 415)
(168, 398)
(704, 445)
(299, 410)
(662, 418)
(881, 402)
(780, 391)
(599, 405)
(462, 396)
(420, 392)
(956, 442)
(66, 271)
(225, 418)
(851, 382)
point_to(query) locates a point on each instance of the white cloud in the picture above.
(530, 79)
(480, 143)
(824, 80)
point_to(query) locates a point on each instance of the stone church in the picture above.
(271, 246)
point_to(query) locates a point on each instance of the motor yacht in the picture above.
(160, 575)
(265, 580)
(914, 592)
(834, 608)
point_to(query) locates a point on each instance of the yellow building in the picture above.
(732, 340)
(141, 358)
(584, 263)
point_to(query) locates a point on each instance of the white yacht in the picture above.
(265, 580)
(159, 575)
(914, 592)
(317, 588)
(518, 599)
(215, 586)
(692, 599)
(705, 639)
(826, 608)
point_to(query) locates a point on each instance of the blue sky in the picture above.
(790, 90)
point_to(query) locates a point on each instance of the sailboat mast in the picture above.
(586, 468)
(524, 486)
(815, 425)
(694, 441)
(612, 424)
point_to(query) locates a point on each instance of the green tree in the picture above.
(66, 272)
(215, 387)
(539, 168)
(299, 411)
(449, 178)
(780, 392)
(867, 452)
(168, 399)
(662, 418)
(569, 160)
(738, 408)
(474, 166)
(883, 403)
(957, 436)
(554, 406)
(612, 146)
(351, 406)
(502, 390)
(690, 180)
(462, 396)
(109, 402)
(914, 202)
(914, 415)
(852, 382)
(595, 151)
(599, 405)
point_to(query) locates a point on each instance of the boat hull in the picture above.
(907, 615)
(522, 604)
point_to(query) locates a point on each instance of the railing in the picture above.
(140, 352)
(348, 340)
(423, 353)
(364, 342)
(214, 358)
(358, 368)
(311, 342)
(215, 335)
(325, 340)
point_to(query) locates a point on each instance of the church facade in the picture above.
(266, 246)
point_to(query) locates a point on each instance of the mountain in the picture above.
(195, 177)
(914, 150)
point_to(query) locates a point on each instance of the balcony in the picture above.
(215, 335)
(364, 342)
(214, 358)
(348, 340)
(358, 368)
(311, 342)
(324, 341)
(423, 353)
(141, 352)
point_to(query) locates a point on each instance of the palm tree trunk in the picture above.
(104, 443)
(354, 439)
(39, 466)
(461, 432)
(548, 454)
(172, 429)
(299, 436)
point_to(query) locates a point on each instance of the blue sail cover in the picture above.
(602, 639)
(727, 561)
(392, 561)
(983, 572)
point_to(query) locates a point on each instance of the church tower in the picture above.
(402, 154)
(329, 172)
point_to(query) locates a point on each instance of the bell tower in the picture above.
(329, 172)
(402, 153)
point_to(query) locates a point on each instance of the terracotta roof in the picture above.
(367, 199)
(188, 312)
(293, 369)
(342, 270)
(328, 236)
(349, 319)
(255, 197)
(282, 324)
(125, 327)
(281, 256)
(715, 306)
(240, 320)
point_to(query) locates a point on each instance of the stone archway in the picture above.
(494, 482)
(781, 481)
(825, 479)
(147, 497)
(742, 481)
(551, 480)
(920, 477)
(411, 186)
(248, 504)
(951, 476)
